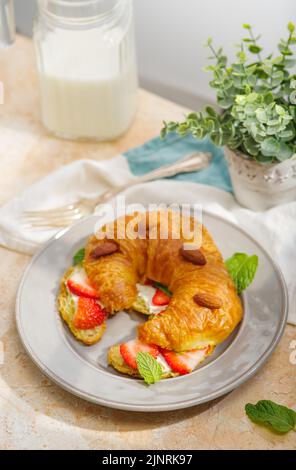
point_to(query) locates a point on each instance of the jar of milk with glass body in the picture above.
(87, 67)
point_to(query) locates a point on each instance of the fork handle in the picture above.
(193, 162)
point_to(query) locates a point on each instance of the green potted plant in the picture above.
(256, 123)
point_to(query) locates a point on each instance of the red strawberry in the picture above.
(184, 362)
(89, 314)
(160, 298)
(79, 284)
(130, 350)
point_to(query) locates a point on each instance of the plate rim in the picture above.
(246, 375)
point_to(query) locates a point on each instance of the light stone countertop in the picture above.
(35, 413)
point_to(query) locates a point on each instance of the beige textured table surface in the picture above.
(35, 413)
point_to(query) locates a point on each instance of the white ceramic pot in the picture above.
(261, 186)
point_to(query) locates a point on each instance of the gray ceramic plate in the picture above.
(83, 370)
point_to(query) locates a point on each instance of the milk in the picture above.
(88, 84)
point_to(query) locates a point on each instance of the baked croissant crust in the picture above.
(204, 308)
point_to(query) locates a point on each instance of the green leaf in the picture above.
(268, 98)
(261, 159)
(210, 111)
(292, 97)
(261, 115)
(254, 48)
(287, 135)
(79, 256)
(238, 69)
(162, 288)
(280, 418)
(277, 60)
(222, 60)
(149, 369)
(277, 77)
(285, 152)
(246, 26)
(251, 146)
(292, 110)
(242, 269)
(279, 110)
(171, 126)
(192, 116)
(286, 52)
(225, 103)
(289, 63)
(241, 55)
(270, 147)
(291, 27)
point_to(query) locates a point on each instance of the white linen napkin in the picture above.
(275, 229)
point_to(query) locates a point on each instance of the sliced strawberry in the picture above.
(89, 314)
(184, 362)
(78, 283)
(160, 298)
(130, 350)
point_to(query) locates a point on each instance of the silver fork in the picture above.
(66, 215)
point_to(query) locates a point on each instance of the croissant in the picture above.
(204, 308)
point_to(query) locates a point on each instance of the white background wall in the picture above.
(171, 33)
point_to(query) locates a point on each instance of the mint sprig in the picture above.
(149, 369)
(79, 256)
(280, 418)
(242, 269)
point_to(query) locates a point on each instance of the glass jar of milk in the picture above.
(87, 67)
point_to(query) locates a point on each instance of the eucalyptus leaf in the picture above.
(270, 147)
(293, 97)
(210, 111)
(261, 115)
(264, 160)
(251, 146)
(254, 49)
(285, 152)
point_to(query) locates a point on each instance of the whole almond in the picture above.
(194, 256)
(103, 249)
(208, 300)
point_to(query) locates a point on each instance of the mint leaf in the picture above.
(162, 288)
(242, 269)
(148, 367)
(79, 256)
(278, 417)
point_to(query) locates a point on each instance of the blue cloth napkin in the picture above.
(158, 152)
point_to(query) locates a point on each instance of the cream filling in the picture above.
(163, 364)
(146, 293)
(80, 277)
